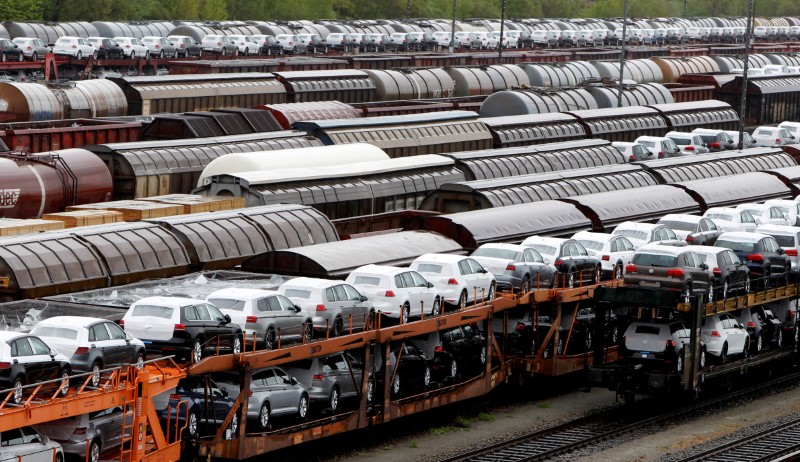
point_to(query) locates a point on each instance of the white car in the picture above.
(661, 147)
(334, 305)
(640, 234)
(132, 47)
(688, 143)
(77, 47)
(658, 342)
(790, 209)
(32, 48)
(509, 40)
(265, 316)
(766, 214)
(788, 238)
(749, 142)
(572, 262)
(159, 46)
(460, 280)
(792, 127)
(487, 41)
(91, 344)
(25, 444)
(515, 267)
(716, 140)
(443, 38)
(291, 43)
(693, 229)
(634, 152)
(614, 252)
(732, 219)
(246, 44)
(772, 136)
(398, 293)
(723, 336)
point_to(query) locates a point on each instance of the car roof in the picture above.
(753, 206)
(684, 134)
(766, 229)
(441, 257)
(780, 202)
(241, 293)
(502, 245)
(638, 226)
(588, 235)
(70, 321)
(315, 283)
(173, 302)
(723, 210)
(383, 270)
(705, 249)
(742, 236)
(707, 131)
(7, 335)
(682, 217)
(651, 138)
(655, 247)
(545, 240)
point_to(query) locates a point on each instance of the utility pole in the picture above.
(453, 29)
(748, 34)
(408, 9)
(502, 24)
(622, 53)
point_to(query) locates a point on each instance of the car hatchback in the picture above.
(398, 293)
(669, 267)
(761, 252)
(329, 380)
(32, 48)
(772, 136)
(335, 307)
(692, 228)
(26, 359)
(634, 152)
(515, 267)
(657, 344)
(572, 262)
(460, 280)
(728, 273)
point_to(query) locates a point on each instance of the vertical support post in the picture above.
(139, 436)
(245, 378)
(365, 379)
(408, 9)
(622, 54)
(502, 28)
(748, 36)
(387, 379)
(453, 29)
(691, 358)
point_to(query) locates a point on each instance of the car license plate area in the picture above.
(650, 283)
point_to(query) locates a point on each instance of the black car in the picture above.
(770, 331)
(26, 359)
(208, 406)
(271, 46)
(729, 274)
(692, 229)
(412, 374)
(571, 260)
(462, 350)
(9, 51)
(765, 259)
(106, 48)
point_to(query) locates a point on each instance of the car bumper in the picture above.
(322, 324)
(644, 281)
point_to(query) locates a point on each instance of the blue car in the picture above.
(208, 405)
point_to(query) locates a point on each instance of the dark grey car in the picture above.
(103, 430)
(515, 267)
(329, 379)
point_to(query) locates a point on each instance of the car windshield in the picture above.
(152, 310)
(227, 303)
(53, 331)
(367, 281)
(784, 241)
(297, 293)
(429, 268)
(654, 259)
(679, 225)
(736, 246)
(495, 253)
(720, 216)
(594, 245)
(631, 234)
(543, 249)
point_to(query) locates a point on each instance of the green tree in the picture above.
(186, 9)
(21, 10)
(214, 10)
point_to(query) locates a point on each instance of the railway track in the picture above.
(766, 445)
(586, 431)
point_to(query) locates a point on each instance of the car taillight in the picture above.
(290, 43)
(630, 269)
(671, 343)
(520, 326)
(175, 396)
(389, 293)
(250, 393)
(320, 307)
(717, 272)
(791, 252)
(127, 46)
(715, 333)
(452, 282)
(5, 365)
(689, 148)
(74, 46)
(180, 327)
(122, 323)
(690, 239)
(661, 155)
(316, 377)
(30, 48)
(81, 351)
(558, 262)
(675, 273)
(778, 140)
(755, 257)
(438, 349)
(751, 324)
(79, 431)
(158, 46)
(251, 319)
(606, 257)
(714, 145)
(632, 157)
(510, 268)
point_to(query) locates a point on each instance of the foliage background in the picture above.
(124, 10)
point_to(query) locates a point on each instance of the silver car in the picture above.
(102, 428)
(26, 444)
(32, 48)
(273, 393)
(329, 379)
(515, 267)
(160, 47)
(336, 307)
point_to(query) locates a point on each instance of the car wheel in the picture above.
(679, 362)
(687, 292)
(482, 355)
(338, 327)
(146, 55)
(263, 416)
(294, 50)
(59, 458)
(759, 343)
(139, 360)
(614, 335)
(308, 332)
(224, 52)
(236, 346)
(95, 370)
(571, 280)
(525, 286)
(405, 313)
(246, 51)
(192, 423)
(302, 407)
(437, 307)
(702, 358)
(396, 384)
(197, 351)
(746, 350)
(200, 54)
(64, 388)
(746, 285)
(723, 354)
(161, 54)
(618, 271)
(710, 294)
(132, 55)
(94, 55)
(20, 57)
(453, 368)
(780, 337)
(269, 339)
(94, 451)
(19, 382)
(77, 56)
(426, 377)
(34, 56)
(334, 400)
(560, 348)
(490, 294)
(462, 300)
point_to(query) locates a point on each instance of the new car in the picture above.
(25, 359)
(640, 234)
(669, 267)
(160, 47)
(183, 326)
(657, 344)
(461, 349)
(76, 47)
(25, 444)
(772, 136)
(460, 280)
(316, 44)
(661, 147)
(329, 380)
(763, 327)
(203, 417)
(764, 257)
(398, 293)
(790, 209)
(766, 214)
(572, 262)
(515, 267)
(615, 252)
(32, 48)
(291, 43)
(723, 335)
(788, 237)
(731, 219)
(273, 394)
(692, 228)
(186, 46)
(634, 152)
(689, 143)
(716, 140)
(91, 344)
(219, 44)
(749, 142)
(409, 371)
(132, 47)
(101, 429)
(106, 48)
(265, 316)
(335, 307)
(727, 271)
(246, 44)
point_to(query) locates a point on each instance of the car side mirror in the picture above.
(227, 319)
(53, 353)
(293, 381)
(741, 326)
(704, 266)
(363, 298)
(781, 251)
(297, 309)
(128, 336)
(429, 285)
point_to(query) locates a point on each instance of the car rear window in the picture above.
(736, 246)
(720, 216)
(631, 233)
(429, 268)
(152, 310)
(650, 330)
(297, 293)
(594, 245)
(653, 259)
(543, 249)
(58, 332)
(495, 253)
(679, 225)
(227, 303)
(367, 281)
(682, 141)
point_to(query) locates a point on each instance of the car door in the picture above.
(587, 264)
(100, 339)
(427, 294)
(109, 425)
(359, 308)
(699, 275)
(709, 231)
(22, 354)
(125, 352)
(355, 375)
(222, 403)
(412, 291)
(481, 277)
(48, 367)
(294, 319)
(734, 335)
(283, 392)
(212, 328)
